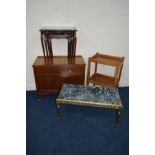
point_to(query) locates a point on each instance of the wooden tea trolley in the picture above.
(102, 79)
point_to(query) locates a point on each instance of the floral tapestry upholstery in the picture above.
(90, 94)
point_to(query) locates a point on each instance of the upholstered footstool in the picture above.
(90, 96)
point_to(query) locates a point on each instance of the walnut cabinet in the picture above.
(50, 76)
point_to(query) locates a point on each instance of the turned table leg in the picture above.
(118, 113)
(38, 99)
(58, 111)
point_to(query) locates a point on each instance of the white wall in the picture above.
(102, 27)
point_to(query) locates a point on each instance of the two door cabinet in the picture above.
(50, 76)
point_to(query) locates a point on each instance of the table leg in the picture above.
(69, 49)
(43, 44)
(118, 113)
(38, 97)
(58, 111)
(38, 100)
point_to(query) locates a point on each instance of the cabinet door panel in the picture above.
(49, 82)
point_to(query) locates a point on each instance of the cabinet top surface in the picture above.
(58, 60)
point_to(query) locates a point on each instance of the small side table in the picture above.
(102, 79)
(47, 34)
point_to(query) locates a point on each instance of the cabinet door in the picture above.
(49, 82)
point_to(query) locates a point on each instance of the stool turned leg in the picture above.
(118, 114)
(58, 111)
